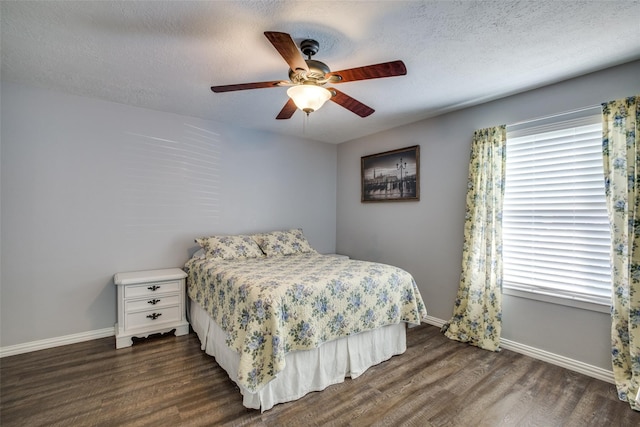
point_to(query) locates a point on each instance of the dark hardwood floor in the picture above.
(169, 381)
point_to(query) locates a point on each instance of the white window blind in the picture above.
(556, 237)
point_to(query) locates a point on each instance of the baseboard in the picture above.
(435, 321)
(545, 356)
(12, 350)
(556, 359)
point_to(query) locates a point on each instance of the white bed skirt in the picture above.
(308, 370)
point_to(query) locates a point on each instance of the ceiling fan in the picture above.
(307, 78)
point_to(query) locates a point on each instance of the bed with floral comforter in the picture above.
(269, 306)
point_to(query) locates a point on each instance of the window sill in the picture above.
(552, 299)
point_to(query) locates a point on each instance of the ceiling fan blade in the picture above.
(287, 48)
(386, 69)
(245, 86)
(351, 104)
(287, 111)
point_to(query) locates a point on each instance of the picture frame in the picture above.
(391, 176)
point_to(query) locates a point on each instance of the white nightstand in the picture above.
(149, 302)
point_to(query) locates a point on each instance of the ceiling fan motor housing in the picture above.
(317, 71)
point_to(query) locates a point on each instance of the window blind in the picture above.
(556, 237)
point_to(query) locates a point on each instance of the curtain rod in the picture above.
(551, 116)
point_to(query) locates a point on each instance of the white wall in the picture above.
(90, 188)
(426, 237)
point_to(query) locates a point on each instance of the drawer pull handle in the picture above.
(153, 301)
(153, 288)
(154, 316)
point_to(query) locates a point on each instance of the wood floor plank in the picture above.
(169, 381)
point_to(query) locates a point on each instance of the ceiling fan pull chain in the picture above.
(305, 121)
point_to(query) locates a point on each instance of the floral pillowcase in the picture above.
(230, 247)
(287, 242)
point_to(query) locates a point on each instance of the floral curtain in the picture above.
(621, 152)
(477, 314)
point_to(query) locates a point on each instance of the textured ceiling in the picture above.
(165, 55)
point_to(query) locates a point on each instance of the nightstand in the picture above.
(151, 301)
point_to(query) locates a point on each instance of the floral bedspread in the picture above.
(273, 305)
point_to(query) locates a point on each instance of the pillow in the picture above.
(230, 247)
(199, 254)
(287, 242)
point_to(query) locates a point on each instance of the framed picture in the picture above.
(392, 176)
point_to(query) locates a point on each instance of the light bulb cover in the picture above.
(308, 98)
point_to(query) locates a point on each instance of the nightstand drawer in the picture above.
(152, 317)
(152, 302)
(152, 288)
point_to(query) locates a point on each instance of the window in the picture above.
(556, 237)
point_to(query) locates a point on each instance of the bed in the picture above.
(284, 320)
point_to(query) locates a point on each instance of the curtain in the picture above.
(620, 148)
(477, 313)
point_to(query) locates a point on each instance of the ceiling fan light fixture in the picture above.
(308, 97)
